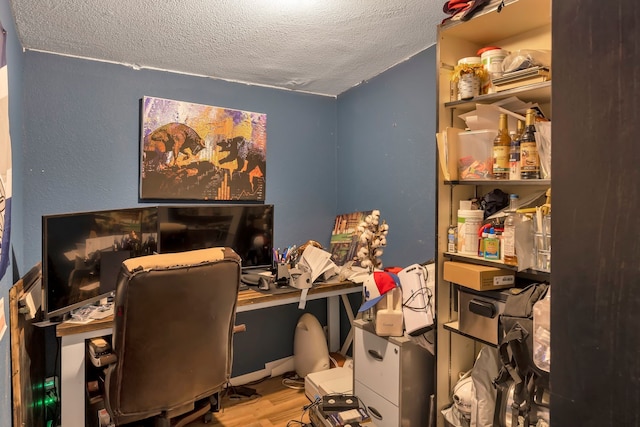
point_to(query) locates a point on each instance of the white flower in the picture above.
(372, 234)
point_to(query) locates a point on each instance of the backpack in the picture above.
(520, 384)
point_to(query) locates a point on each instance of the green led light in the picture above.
(50, 400)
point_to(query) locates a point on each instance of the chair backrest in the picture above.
(173, 331)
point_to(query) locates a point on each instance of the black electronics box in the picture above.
(338, 403)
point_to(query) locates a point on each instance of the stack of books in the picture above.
(521, 78)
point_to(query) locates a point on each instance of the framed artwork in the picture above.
(344, 243)
(201, 152)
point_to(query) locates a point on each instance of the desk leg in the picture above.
(333, 323)
(349, 339)
(72, 373)
(72, 376)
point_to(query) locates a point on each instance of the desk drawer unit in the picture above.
(378, 364)
(382, 412)
(393, 376)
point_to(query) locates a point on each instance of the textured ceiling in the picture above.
(317, 46)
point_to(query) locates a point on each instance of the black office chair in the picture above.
(172, 336)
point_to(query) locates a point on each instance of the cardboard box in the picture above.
(478, 277)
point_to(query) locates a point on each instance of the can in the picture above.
(452, 239)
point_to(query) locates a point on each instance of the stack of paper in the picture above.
(316, 262)
(487, 116)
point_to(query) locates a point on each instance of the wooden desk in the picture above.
(73, 337)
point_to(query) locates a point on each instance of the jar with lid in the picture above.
(468, 76)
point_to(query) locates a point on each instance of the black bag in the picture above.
(494, 201)
(520, 384)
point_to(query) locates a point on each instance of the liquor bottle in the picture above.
(514, 156)
(529, 160)
(509, 233)
(501, 146)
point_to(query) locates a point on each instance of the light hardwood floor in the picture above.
(275, 405)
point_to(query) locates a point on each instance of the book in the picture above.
(521, 78)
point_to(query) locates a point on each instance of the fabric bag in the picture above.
(520, 384)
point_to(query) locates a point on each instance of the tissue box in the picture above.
(478, 277)
(475, 154)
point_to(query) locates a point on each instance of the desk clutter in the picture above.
(400, 302)
(293, 270)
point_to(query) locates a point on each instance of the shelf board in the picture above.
(528, 273)
(455, 328)
(536, 92)
(487, 26)
(502, 182)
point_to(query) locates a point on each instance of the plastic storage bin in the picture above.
(475, 154)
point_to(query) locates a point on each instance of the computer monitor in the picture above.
(82, 253)
(247, 229)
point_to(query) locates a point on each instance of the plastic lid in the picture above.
(513, 196)
(492, 51)
(486, 49)
(470, 60)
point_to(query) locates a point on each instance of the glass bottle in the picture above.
(529, 160)
(509, 233)
(514, 152)
(501, 146)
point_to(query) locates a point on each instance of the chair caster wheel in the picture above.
(207, 418)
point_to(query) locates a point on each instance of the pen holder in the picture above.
(282, 271)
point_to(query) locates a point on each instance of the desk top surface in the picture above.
(246, 299)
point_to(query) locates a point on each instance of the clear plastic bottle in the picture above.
(542, 332)
(509, 233)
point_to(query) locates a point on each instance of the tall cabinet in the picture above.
(520, 24)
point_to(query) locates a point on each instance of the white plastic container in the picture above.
(469, 222)
(542, 332)
(389, 319)
(492, 62)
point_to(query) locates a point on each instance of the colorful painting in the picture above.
(201, 152)
(344, 243)
(5, 161)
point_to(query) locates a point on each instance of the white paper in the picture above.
(316, 262)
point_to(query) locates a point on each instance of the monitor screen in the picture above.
(82, 253)
(247, 229)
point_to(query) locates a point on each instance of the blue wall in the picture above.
(386, 155)
(15, 67)
(372, 147)
(82, 143)
(81, 152)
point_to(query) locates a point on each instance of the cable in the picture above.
(305, 409)
(293, 383)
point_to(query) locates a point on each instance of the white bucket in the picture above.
(492, 62)
(469, 222)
